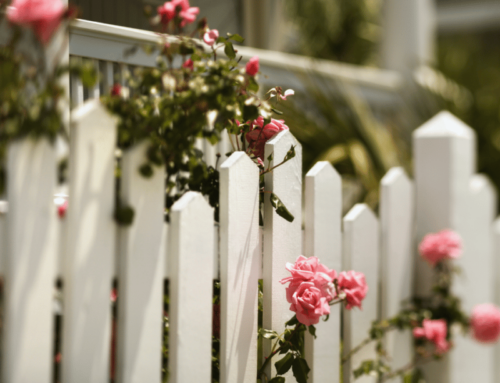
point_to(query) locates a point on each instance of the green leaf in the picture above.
(268, 334)
(281, 209)
(300, 370)
(284, 364)
(229, 50)
(270, 157)
(292, 322)
(279, 112)
(253, 85)
(221, 39)
(124, 215)
(277, 379)
(146, 170)
(312, 331)
(236, 37)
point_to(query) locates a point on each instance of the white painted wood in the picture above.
(190, 266)
(496, 290)
(30, 263)
(141, 269)
(209, 152)
(76, 86)
(224, 146)
(109, 77)
(361, 253)
(91, 246)
(396, 259)
(240, 262)
(323, 239)
(448, 196)
(408, 34)
(94, 91)
(3, 236)
(282, 239)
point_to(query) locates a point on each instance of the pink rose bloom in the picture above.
(44, 16)
(189, 15)
(252, 67)
(166, 12)
(485, 323)
(259, 135)
(323, 280)
(61, 209)
(434, 331)
(210, 37)
(353, 284)
(438, 246)
(308, 304)
(303, 269)
(116, 90)
(188, 64)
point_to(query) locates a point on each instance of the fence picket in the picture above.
(91, 246)
(282, 239)
(322, 239)
(361, 253)
(240, 262)
(396, 222)
(141, 269)
(444, 150)
(496, 291)
(190, 312)
(77, 93)
(30, 265)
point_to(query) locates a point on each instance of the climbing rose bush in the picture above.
(485, 323)
(436, 247)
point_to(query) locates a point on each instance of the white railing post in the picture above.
(396, 261)
(89, 263)
(361, 253)
(240, 263)
(323, 239)
(190, 266)
(141, 269)
(282, 239)
(449, 196)
(30, 267)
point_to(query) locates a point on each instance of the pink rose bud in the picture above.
(116, 90)
(61, 209)
(188, 64)
(434, 331)
(353, 285)
(43, 16)
(211, 36)
(485, 323)
(260, 134)
(252, 67)
(166, 12)
(308, 304)
(445, 244)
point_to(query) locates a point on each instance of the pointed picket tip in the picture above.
(325, 170)
(284, 137)
(444, 124)
(360, 213)
(496, 226)
(191, 200)
(239, 159)
(93, 113)
(395, 176)
(481, 185)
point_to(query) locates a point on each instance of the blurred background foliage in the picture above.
(349, 133)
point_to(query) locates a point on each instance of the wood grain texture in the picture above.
(323, 239)
(240, 261)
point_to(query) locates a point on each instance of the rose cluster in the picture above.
(314, 286)
(178, 8)
(259, 134)
(435, 331)
(436, 247)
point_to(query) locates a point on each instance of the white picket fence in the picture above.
(91, 250)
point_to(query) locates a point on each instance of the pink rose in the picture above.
(210, 37)
(323, 280)
(485, 323)
(438, 246)
(188, 64)
(308, 304)
(44, 16)
(189, 15)
(353, 284)
(166, 12)
(61, 209)
(434, 331)
(116, 90)
(252, 67)
(303, 269)
(259, 134)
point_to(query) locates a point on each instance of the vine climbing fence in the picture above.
(86, 251)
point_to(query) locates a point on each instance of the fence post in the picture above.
(191, 236)
(30, 267)
(282, 239)
(449, 196)
(88, 268)
(396, 261)
(322, 239)
(361, 253)
(141, 270)
(240, 261)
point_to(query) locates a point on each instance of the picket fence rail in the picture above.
(87, 250)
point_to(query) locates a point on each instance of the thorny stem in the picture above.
(356, 349)
(410, 366)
